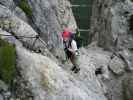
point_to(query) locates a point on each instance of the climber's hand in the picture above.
(71, 50)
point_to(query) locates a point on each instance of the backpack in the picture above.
(72, 36)
(68, 53)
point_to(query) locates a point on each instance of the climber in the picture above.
(70, 48)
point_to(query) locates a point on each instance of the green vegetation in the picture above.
(80, 41)
(130, 49)
(127, 94)
(125, 85)
(131, 23)
(7, 61)
(25, 7)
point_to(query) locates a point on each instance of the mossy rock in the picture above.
(25, 7)
(7, 61)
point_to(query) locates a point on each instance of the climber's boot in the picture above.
(73, 68)
(76, 70)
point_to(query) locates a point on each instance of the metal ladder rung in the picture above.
(81, 6)
(84, 30)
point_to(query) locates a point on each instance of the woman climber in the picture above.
(71, 50)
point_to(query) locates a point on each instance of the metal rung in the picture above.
(81, 5)
(84, 30)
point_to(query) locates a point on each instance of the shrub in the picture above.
(7, 61)
(25, 7)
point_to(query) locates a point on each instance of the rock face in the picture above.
(111, 28)
(128, 59)
(117, 66)
(113, 73)
(49, 18)
(101, 23)
(39, 77)
(110, 25)
(20, 29)
(37, 40)
(48, 81)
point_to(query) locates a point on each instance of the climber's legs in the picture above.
(75, 62)
(76, 70)
(73, 68)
